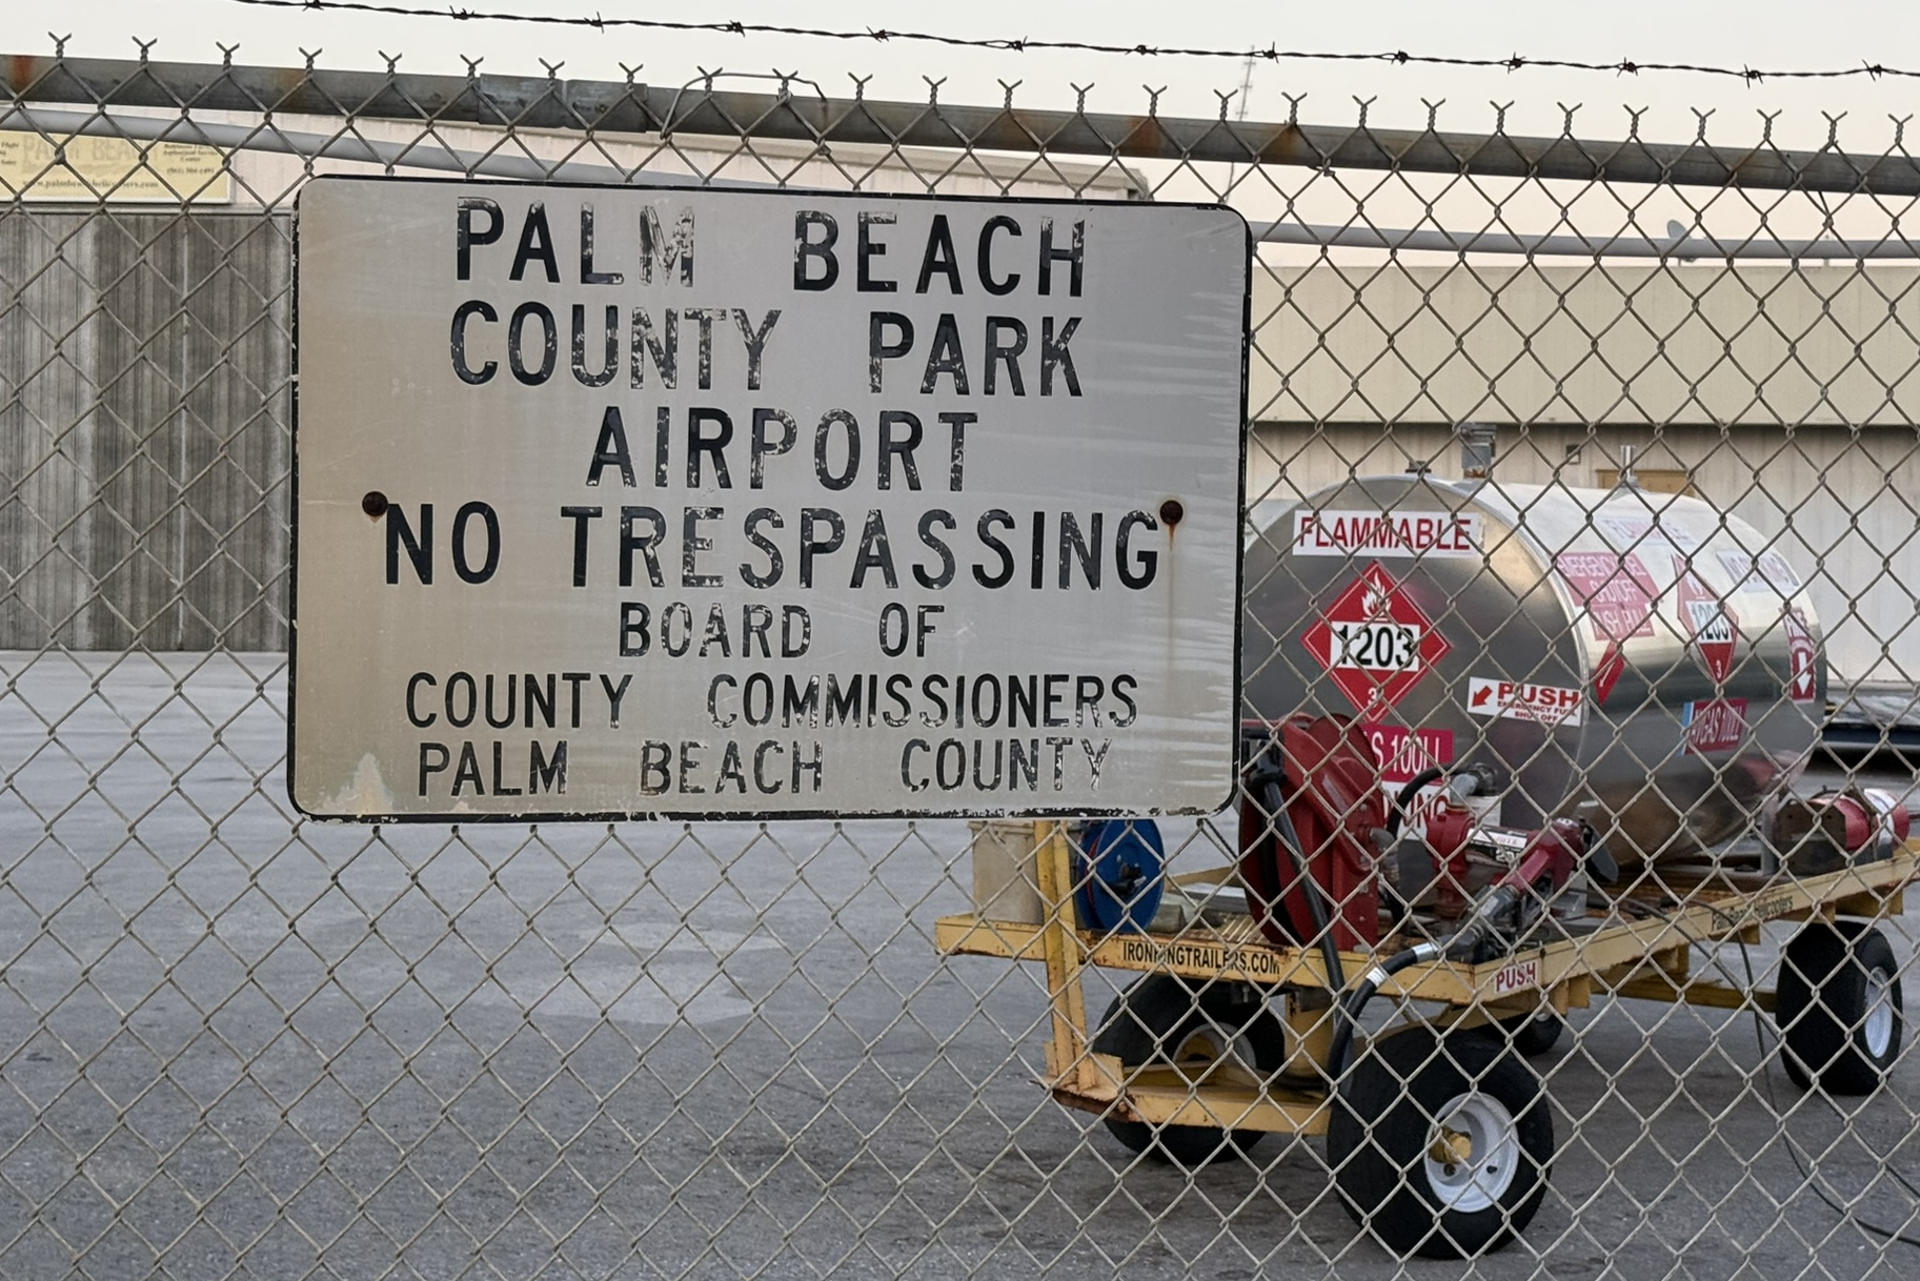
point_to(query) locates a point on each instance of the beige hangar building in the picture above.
(1785, 393)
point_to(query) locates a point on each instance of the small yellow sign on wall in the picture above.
(115, 170)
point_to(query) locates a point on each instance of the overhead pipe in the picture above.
(611, 106)
(1679, 244)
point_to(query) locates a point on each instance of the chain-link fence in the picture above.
(1579, 512)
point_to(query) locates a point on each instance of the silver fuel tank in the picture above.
(1637, 659)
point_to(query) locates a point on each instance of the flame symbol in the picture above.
(1373, 601)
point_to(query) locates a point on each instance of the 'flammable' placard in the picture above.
(731, 503)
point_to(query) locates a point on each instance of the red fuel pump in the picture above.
(1313, 825)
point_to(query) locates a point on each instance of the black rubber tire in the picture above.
(1382, 1125)
(1148, 1022)
(1532, 1034)
(1820, 1006)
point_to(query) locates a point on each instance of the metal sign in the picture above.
(1714, 724)
(1618, 593)
(1375, 642)
(1617, 590)
(114, 170)
(1406, 753)
(703, 504)
(1406, 535)
(1768, 574)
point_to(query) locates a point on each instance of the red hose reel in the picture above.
(1331, 792)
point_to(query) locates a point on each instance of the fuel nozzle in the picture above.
(1544, 867)
(1482, 927)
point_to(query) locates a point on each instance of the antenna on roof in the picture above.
(1240, 107)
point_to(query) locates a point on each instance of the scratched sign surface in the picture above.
(619, 501)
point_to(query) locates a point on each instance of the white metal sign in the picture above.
(617, 501)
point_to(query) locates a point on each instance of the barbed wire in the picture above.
(1271, 53)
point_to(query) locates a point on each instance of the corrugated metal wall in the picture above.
(1763, 344)
(144, 429)
(1786, 392)
(144, 437)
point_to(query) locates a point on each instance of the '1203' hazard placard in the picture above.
(1375, 642)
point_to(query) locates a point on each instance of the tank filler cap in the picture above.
(1628, 480)
(1476, 450)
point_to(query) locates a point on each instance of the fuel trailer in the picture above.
(1505, 748)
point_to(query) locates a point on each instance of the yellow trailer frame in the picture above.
(1646, 959)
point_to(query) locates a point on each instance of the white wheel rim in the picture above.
(1473, 1153)
(1877, 1030)
(1207, 1047)
(1201, 1047)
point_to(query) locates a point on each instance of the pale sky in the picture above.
(1757, 33)
(1760, 33)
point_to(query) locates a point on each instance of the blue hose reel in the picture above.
(1118, 881)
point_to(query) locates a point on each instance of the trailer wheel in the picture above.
(1162, 1020)
(1441, 1146)
(1839, 1008)
(1533, 1034)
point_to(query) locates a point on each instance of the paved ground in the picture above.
(239, 1045)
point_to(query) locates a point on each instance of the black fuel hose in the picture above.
(1348, 1009)
(1396, 812)
(1462, 945)
(1316, 894)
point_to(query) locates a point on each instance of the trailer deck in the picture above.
(1638, 947)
